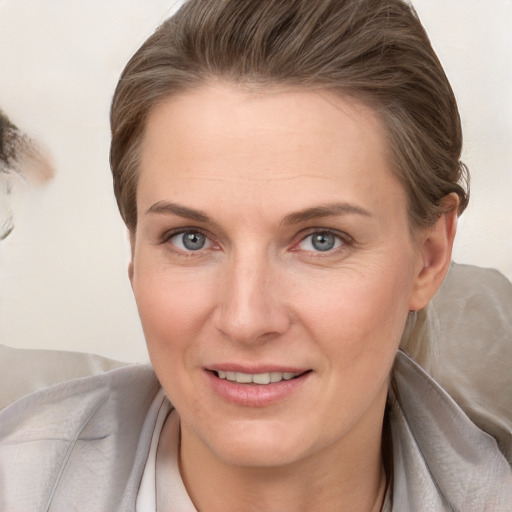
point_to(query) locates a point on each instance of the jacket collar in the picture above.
(442, 461)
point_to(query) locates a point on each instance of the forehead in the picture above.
(295, 143)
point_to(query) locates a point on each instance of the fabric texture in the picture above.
(463, 339)
(79, 445)
(76, 430)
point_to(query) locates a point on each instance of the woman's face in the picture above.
(272, 245)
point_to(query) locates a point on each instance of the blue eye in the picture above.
(190, 241)
(321, 241)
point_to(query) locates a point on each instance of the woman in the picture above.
(289, 174)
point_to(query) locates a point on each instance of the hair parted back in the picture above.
(374, 50)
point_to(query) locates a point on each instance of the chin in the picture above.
(252, 445)
(258, 455)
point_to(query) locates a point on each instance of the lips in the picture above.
(260, 387)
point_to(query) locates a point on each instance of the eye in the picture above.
(321, 241)
(190, 241)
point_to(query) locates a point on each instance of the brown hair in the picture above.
(375, 50)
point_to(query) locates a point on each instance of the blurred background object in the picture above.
(20, 158)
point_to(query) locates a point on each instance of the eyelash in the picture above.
(169, 235)
(344, 239)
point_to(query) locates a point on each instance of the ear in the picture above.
(435, 253)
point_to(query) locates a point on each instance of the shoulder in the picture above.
(440, 456)
(42, 386)
(464, 341)
(25, 371)
(85, 420)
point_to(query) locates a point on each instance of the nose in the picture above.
(250, 308)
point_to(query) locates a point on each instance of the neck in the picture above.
(275, 491)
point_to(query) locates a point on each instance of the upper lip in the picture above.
(241, 368)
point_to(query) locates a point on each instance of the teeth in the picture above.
(276, 376)
(261, 378)
(243, 378)
(256, 378)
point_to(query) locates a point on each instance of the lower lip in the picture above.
(255, 395)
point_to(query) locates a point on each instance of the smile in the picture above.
(256, 378)
(257, 388)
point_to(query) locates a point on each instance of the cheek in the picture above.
(358, 312)
(173, 311)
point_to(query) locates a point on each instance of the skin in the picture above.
(257, 174)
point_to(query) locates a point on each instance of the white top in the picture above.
(176, 492)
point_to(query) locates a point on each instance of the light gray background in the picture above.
(63, 281)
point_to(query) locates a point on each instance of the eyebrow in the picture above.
(316, 212)
(328, 210)
(164, 207)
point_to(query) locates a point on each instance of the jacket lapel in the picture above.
(442, 461)
(81, 442)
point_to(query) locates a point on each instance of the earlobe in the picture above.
(130, 272)
(435, 249)
(132, 255)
